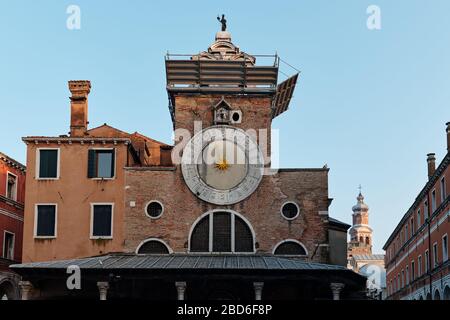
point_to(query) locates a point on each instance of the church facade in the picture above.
(205, 218)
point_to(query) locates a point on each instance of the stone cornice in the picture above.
(437, 174)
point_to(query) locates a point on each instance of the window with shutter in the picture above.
(48, 163)
(101, 163)
(101, 221)
(45, 220)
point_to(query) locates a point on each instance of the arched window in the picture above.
(290, 248)
(221, 231)
(437, 295)
(367, 240)
(361, 239)
(153, 246)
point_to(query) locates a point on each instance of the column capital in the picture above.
(258, 287)
(26, 288)
(103, 287)
(181, 289)
(336, 288)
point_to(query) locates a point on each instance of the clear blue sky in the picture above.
(370, 104)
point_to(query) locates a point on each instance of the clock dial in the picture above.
(222, 165)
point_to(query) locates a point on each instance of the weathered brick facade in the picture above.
(307, 187)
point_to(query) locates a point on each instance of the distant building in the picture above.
(12, 195)
(417, 261)
(359, 254)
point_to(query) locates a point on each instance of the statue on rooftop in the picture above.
(223, 21)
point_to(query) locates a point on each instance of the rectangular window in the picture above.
(11, 186)
(433, 201)
(8, 245)
(443, 190)
(101, 163)
(435, 255)
(45, 221)
(406, 232)
(419, 266)
(48, 164)
(419, 221)
(413, 271)
(427, 261)
(412, 227)
(398, 282)
(101, 220)
(444, 248)
(407, 275)
(425, 209)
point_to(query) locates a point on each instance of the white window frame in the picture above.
(444, 250)
(36, 220)
(15, 187)
(402, 280)
(419, 266)
(407, 276)
(115, 163)
(169, 249)
(210, 244)
(435, 255)
(425, 210)
(146, 206)
(427, 261)
(419, 219)
(13, 242)
(91, 236)
(443, 189)
(433, 201)
(293, 218)
(38, 162)
(413, 270)
(290, 255)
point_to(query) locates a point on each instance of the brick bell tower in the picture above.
(360, 232)
(224, 86)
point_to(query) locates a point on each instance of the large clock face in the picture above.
(222, 165)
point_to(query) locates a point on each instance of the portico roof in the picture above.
(183, 261)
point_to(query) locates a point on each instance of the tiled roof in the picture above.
(184, 261)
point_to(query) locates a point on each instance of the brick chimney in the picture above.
(79, 107)
(448, 135)
(431, 160)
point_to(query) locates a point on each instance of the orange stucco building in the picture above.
(70, 193)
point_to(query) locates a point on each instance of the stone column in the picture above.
(336, 288)
(258, 287)
(181, 289)
(103, 287)
(26, 289)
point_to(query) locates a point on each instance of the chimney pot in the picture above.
(79, 107)
(431, 160)
(448, 135)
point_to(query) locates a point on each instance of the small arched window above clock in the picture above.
(290, 210)
(290, 247)
(154, 209)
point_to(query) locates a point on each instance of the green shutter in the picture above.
(91, 164)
